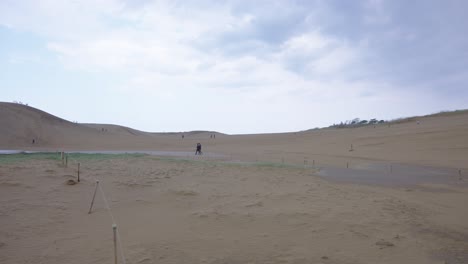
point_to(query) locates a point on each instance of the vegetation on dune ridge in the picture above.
(357, 122)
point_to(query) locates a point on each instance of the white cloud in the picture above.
(335, 61)
(239, 60)
(154, 46)
(306, 44)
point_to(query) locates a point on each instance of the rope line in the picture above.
(119, 240)
(108, 208)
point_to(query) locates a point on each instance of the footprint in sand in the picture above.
(384, 244)
(186, 192)
(257, 204)
(70, 182)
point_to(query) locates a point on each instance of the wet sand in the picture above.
(160, 153)
(375, 173)
(397, 175)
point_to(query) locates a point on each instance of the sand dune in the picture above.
(438, 140)
(224, 210)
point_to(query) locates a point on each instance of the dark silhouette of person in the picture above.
(33, 141)
(198, 151)
(183, 135)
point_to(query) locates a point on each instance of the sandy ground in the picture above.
(206, 211)
(440, 140)
(174, 211)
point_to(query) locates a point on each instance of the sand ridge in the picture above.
(258, 204)
(438, 140)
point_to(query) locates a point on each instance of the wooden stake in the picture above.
(114, 230)
(347, 165)
(66, 160)
(94, 196)
(78, 172)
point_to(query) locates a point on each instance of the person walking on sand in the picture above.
(198, 151)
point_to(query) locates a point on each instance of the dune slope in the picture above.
(437, 140)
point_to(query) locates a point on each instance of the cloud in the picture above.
(245, 55)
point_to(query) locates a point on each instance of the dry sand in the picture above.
(210, 212)
(204, 211)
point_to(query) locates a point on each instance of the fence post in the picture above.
(114, 230)
(94, 196)
(78, 172)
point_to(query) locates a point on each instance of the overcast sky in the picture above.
(234, 66)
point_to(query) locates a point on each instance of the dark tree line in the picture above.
(358, 122)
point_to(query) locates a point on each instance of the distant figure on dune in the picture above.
(198, 151)
(183, 136)
(33, 141)
(211, 136)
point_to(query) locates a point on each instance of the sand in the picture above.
(440, 140)
(256, 204)
(172, 211)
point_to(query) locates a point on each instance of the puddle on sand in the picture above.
(400, 175)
